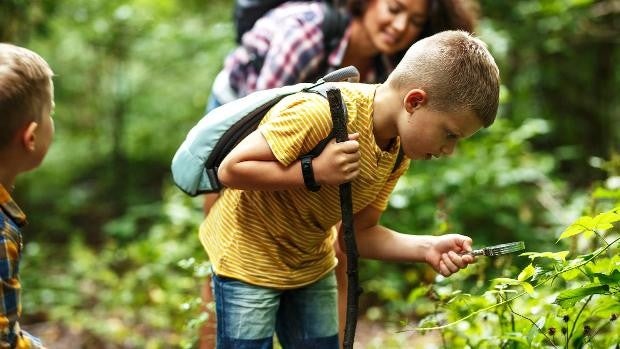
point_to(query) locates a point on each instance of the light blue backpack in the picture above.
(195, 164)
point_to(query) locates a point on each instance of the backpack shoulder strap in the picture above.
(334, 25)
(321, 89)
(247, 12)
(399, 159)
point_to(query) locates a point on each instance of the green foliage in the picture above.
(142, 295)
(561, 299)
(110, 253)
(549, 52)
(131, 78)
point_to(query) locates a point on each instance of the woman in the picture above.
(287, 46)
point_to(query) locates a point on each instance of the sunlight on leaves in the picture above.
(506, 281)
(560, 256)
(601, 222)
(527, 287)
(526, 273)
(570, 274)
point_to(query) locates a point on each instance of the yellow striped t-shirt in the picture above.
(283, 239)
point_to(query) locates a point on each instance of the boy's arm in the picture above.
(440, 252)
(251, 165)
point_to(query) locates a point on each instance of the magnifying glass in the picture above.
(499, 250)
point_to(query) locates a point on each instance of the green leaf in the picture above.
(506, 281)
(561, 256)
(606, 306)
(571, 274)
(534, 329)
(567, 299)
(589, 255)
(579, 226)
(612, 278)
(516, 337)
(527, 287)
(526, 273)
(602, 221)
(417, 293)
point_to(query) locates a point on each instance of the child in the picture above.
(290, 45)
(26, 132)
(270, 237)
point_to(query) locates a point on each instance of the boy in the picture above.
(269, 236)
(26, 132)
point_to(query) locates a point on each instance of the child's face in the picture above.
(393, 25)
(427, 133)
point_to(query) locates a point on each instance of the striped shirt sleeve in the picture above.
(296, 125)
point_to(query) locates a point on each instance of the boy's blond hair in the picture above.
(456, 71)
(25, 89)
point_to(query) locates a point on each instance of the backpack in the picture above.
(247, 12)
(195, 163)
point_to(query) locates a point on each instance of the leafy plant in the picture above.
(138, 294)
(561, 299)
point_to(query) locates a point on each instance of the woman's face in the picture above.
(393, 25)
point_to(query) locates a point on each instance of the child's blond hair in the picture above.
(25, 89)
(456, 71)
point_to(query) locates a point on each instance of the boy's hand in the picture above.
(339, 162)
(445, 253)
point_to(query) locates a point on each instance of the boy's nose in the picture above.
(448, 149)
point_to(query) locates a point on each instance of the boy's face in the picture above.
(426, 133)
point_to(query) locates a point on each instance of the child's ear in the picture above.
(414, 99)
(29, 136)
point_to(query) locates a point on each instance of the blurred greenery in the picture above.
(112, 249)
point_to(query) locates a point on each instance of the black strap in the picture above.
(308, 173)
(247, 12)
(339, 118)
(399, 159)
(334, 25)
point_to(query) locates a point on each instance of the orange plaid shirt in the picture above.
(11, 220)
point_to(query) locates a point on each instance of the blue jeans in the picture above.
(249, 315)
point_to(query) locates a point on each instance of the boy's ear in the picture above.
(28, 136)
(414, 99)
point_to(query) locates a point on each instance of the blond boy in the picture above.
(26, 132)
(269, 236)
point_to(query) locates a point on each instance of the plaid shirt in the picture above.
(11, 220)
(288, 41)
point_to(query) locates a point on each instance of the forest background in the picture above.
(112, 258)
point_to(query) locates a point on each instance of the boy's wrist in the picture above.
(307, 172)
